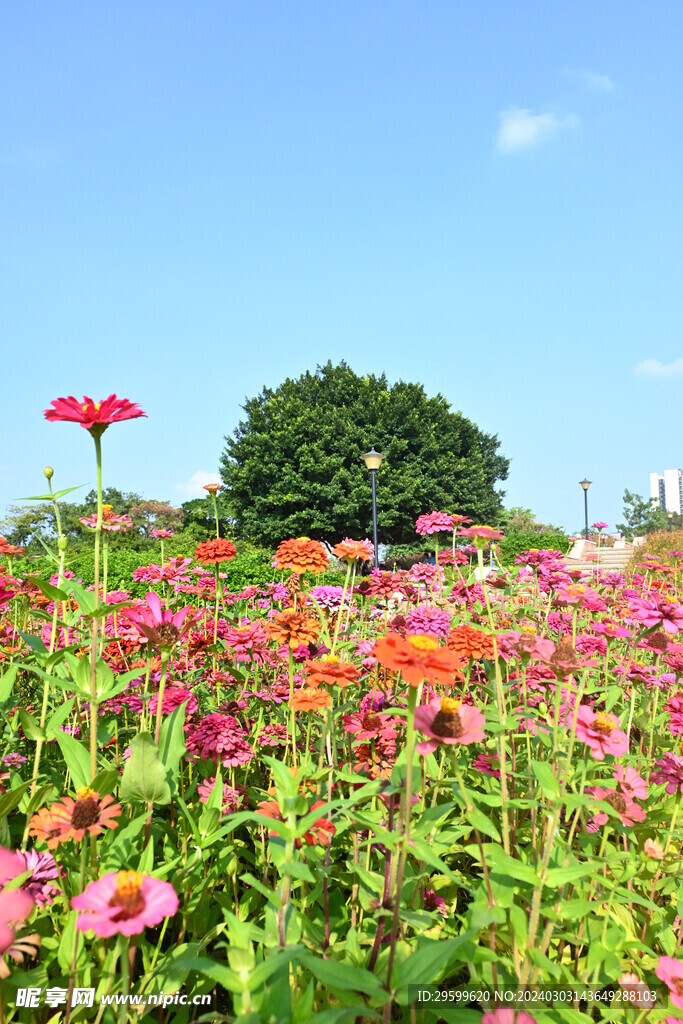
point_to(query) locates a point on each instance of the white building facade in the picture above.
(667, 490)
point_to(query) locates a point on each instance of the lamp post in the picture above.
(373, 460)
(670, 516)
(585, 484)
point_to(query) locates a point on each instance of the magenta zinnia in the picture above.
(124, 903)
(94, 416)
(160, 626)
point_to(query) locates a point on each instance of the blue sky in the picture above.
(197, 200)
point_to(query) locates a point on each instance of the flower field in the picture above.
(319, 801)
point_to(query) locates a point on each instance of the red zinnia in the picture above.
(94, 416)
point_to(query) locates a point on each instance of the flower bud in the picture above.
(49, 472)
(62, 542)
(543, 708)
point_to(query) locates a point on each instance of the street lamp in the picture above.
(585, 484)
(373, 460)
(670, 516)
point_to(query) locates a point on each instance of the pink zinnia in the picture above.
(219, 735)
(94, 416)
(161, 627)
(669, 770)
(630, 782)
(434, 522)
(600, 732)
(428, 620)
(173, 697)
(622, 802)
(124, 903)
(232, 798)
(161, 534)
(446, 720)
(15, 904)
(670, 971)
(656, 611)
(507, 1015)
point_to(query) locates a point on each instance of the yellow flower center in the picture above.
(128, 894)
(604, 723)
(107, 508)
(331, 659)
(449, 705)
(84, 791)
(421, 642)
(576, 588)
(529, 630)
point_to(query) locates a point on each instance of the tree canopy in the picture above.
(293, 465)
(643, 516)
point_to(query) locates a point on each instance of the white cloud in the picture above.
(192, 488)
(653, 368)
(520, 128)
(594, 80)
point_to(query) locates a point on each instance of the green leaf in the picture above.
(482, 823)
(339, 976)
(571, 873)
(77, 758)
(84, 598)
(34, 642)
(284, 781)
(49, 590)
(11, 799)
(144, 776)
(427, 964)
(58, 717)
(51, 497)
(172, 748)
(7, 681)
(547, 781)
(32, 730)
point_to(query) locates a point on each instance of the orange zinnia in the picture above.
(331, 671)
(72, 819)
(211, 552)
(310, 698)
(301, 555)
(321, 831)
(351, 550)
(417, 658)
(468, 642)
(293, 628)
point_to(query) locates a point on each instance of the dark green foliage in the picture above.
(517, 541)
(642, 516)
(293, 466)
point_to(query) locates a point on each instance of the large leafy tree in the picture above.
(642, 516)
(293, 466)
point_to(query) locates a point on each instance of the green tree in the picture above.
(641, 516)
(293, 467)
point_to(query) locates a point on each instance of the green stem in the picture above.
(93, 650)
(165, 654)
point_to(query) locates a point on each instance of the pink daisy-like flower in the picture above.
(630, 782)
(622, 802)
(161, 534)
(93, 416)
(507, 1015)
(434, 522)
(669, 770)
(670, 971)
(428, 620)
(219, 735)
(232, 798)
(600, 732)
(161, 627)
(657, 611)
(446, 720)
(173, 697)
(43, 870)
(124, 903)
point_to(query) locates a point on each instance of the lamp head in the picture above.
(373, 459)
(585, 484)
